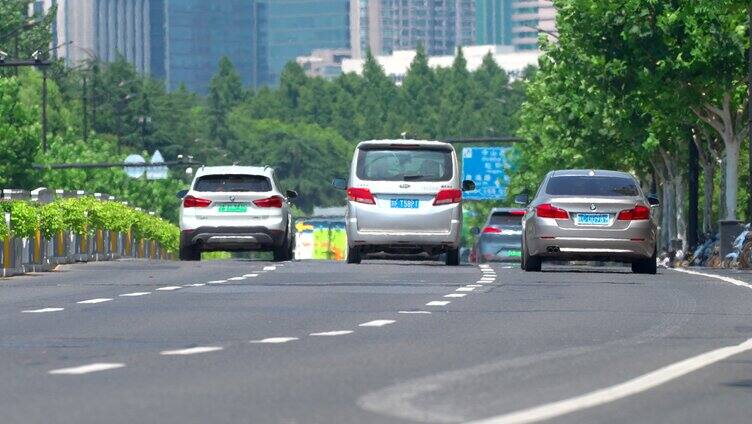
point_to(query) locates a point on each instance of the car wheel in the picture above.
(353, 255)
(453, 257)
(189, 252)
(646, 266)
(530, 263)
(282, 253)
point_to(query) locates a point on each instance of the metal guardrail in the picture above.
(20, 255)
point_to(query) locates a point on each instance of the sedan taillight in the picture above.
(638, 213)
(269, 202)
(448, 196)
(492, 230)
(195, 202)
(547, 210)
(361, 195)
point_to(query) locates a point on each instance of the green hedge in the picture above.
(84, 215)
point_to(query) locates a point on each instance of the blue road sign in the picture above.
(487, 167)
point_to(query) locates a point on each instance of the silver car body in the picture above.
(566, 239)
(255, 228)
(380, 227)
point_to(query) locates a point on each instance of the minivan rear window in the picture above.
(401, 164)
(591, 186)
(233, 183)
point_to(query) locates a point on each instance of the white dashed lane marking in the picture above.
(332, 333)
(438, 303)
(216, 282)
(274, 340)
(134, 294)
(43, 310)
(195, 285)
(414, 312)
(377, 323)
(236, 278)
(191, 350)
(465, 289)
(169, 288)
(85, 369)
(455, 295)
(250, 275)
(97, 300)
(270, 268)
(474, 285)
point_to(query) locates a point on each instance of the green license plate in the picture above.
(514, 253)
(233, 208)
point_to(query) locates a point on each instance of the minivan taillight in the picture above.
(638, 213)
(361, 195)
(195, 202)
(269, 202)
(448, 196)
(547, 210)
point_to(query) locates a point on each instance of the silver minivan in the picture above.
(404, 197)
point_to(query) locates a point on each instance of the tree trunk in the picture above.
(708, 174)
(732, 176)
(681, 221)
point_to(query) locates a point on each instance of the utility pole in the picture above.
(44, 109)
(86, 112)
(749, 111)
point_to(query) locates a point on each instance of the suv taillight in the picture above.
(269, 202)
(195, 202)
(361, 195)
(638, 213)
(547, 210)
(448, 196)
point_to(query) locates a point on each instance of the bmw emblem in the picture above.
(592, 207)
(232, 198)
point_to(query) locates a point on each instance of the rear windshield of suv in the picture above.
(591, 186)
(401, 164)
(233, 183)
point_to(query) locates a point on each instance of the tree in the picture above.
(419, 97)
(225, 92)
(19, 137)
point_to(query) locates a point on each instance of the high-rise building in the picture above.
(529, 19)
(384, 26)
(493, 22)
(295, 28)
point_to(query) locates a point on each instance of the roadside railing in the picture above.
(36, 252)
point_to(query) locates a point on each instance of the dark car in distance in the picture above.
(500, 239)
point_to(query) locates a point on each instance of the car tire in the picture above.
(353, 255)
(530, 263)
(453, 257)
(282, 252)
(646, 266)
(189, 252)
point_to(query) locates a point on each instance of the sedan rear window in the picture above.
(400, 164)
(591, 186)
(505, 219)
(233, 183)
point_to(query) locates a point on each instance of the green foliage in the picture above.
(19, 135)
(51, 219)
(24, 219)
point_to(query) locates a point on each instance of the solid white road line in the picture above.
(39, 311)
(465, 289)
(85, 369)
(195, 285)
(134, 294)
(250, 275)
(236, 278)
(191, 350)
(169, 288)
(377, 323)
(216, 282)
(619, 391)
(455, 295)
(414, 312)
(270, 268)
(733, 281)
(98, 300)
(275, 340)
(438, 303)
(332, 333)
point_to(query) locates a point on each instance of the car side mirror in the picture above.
(653, 200)
(522, 199)
(291, 194)
(181, 194)
(468, 185)
(340, 183)
(475, 231)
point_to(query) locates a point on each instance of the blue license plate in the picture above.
(405, 203)
(592, 219)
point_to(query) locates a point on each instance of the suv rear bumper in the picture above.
(232, 238)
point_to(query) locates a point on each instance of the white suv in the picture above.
(235, 208)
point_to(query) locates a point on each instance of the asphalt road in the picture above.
(322, 342)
